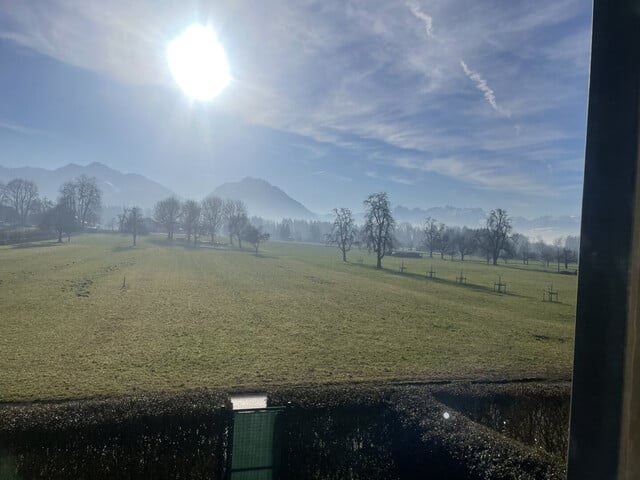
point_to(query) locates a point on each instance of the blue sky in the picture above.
(448, 102)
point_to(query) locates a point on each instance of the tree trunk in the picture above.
(344, 256)
(135, 235)
(59, 236)
(379, 262)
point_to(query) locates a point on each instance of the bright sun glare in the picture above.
(198, 63)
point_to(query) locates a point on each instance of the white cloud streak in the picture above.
(362, 75)
(428, 20)
(481, 84)
(482, 175)
(14, 127)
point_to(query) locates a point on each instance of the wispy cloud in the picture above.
(402, 180)
(392, 178)
(481, 84)
(428, 20)
(122, 39)
(15, 127)
(333, 176)
(366, 76)
(480, 174)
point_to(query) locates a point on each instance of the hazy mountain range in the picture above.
(262, 199)
(117, 188)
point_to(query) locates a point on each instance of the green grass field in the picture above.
(296, 314)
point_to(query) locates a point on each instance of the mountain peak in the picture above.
(98, 165)
(264, 199)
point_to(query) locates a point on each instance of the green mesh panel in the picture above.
(255, 445)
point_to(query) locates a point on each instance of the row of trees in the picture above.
(297, 230)
(207, 218)
(78, 205)
(21, 198)
(494, 241)
(376, 233)
(80, 201)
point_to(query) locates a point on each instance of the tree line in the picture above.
(207, 218)
(494, 241)
(77, 206)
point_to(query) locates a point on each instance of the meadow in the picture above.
(295, 314)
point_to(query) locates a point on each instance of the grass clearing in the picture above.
(203, 317)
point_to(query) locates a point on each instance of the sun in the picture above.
(199, 63)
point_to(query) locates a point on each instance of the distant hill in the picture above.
(263, 199)
(118, 188)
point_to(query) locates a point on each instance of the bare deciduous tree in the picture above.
(191, 220)
(236, 218)
(445, 240)
(545, 252)
(212, 215)
(568, 256)
(497, 232)
(122, 220)
(431, 235)
(465, 242)
(508, 250)
(468, 242)
(21, 195)
(61, 217)
(85, 198)
(167, 213)
(379, 224)
(134, 222)
(522, 247)
(558, 246)
(343, 233)
(88, 200)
